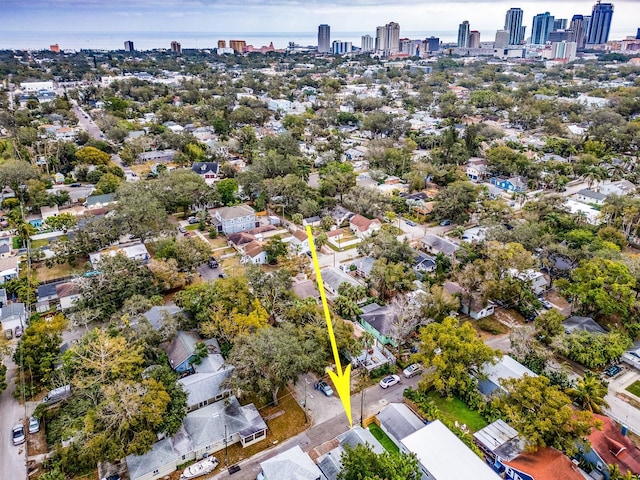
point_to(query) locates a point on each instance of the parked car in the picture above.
(75, 185)
(613, 370)
(192, 220)
(8, 334)
(34, 425)
(17, 434)
(411, 223)
(19, 331)
(445, 223)
(324, 387)
(115, 476)
(187, 234)
(546, 304)
(213, 263)
(182, 230)
(389, 381)
(412, 370)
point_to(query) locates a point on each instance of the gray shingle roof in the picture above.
(399, 421)
(292, 464)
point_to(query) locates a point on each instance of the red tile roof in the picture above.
(362, 223)
(613, 447)
(546, 464)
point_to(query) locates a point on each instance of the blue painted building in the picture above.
(512, 184)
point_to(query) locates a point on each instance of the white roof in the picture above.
(444, 455)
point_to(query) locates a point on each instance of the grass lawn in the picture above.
(456, 410)
(191, 228)
(492, 325)
(382, 437)
(58, 271)
(39, 243)
(634, 388)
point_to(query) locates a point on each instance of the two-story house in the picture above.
(238, 218)
(207, 170)
(512, 184)
(362, 227)
(476, 169)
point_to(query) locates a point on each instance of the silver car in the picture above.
(34, 425)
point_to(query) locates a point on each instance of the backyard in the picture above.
(382, 437)
(456, 410)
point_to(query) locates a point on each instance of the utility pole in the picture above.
(304, 404)
(362, 408)
(226, 446)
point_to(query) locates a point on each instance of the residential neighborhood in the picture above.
(195, 242)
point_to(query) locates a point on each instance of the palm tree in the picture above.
(589, 393)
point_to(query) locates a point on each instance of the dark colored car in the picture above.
(613, 370)
(19, 331)
(445, 223)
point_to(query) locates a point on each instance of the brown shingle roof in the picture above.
(362, 223)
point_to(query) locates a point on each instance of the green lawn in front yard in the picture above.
(382, 437)
(634, 388)
(191, 228)
(39, 243)
(456, 410)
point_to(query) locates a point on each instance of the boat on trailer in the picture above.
(204, 466)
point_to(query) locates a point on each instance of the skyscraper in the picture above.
(176, 47)
(542, 26)
(502, 39)
(474, 39)
(463, 35)
(381, 38)
(367, 43)
(560, 24)
(324, 38)
(392, 44)
(578, 29)
(600, 23)
(513, 23)
(433, 44)
(128, 46)
(222, 44)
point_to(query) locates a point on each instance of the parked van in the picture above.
(57, 395)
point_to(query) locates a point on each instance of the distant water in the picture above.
(151, 40)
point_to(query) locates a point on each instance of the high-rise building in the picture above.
(338, 47)
(577, 27)
(433, 44)
(366, 44)
(55, 48)
(128, 46)
(463, 35)
(564, 50)
(601, 15)
(542, 26)
(638, 34)
(513, 23)
(238, 45)
(560, 24)
(562, 36)
(474, 39)
(392, 43)
(502, 39)
(222, 44)
(324, 38)
(176, 47)
(381, 38)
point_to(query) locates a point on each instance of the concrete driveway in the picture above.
(620, 409)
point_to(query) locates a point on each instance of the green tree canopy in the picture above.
(362, 463)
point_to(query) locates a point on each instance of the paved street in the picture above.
(619, 409)
(328, 419)
(13, 463)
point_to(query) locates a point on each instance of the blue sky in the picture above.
(289, 15)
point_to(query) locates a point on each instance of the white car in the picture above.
(17, 434)
(412, 370)
(34, 425)
(389, 381)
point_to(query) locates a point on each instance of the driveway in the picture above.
(619, 409)
(13, 463)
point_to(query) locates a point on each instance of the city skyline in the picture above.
(288, 15)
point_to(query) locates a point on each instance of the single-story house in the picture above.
(498, 441)
(546, 463)
(506, 368)
(13, 315)
(434, 244)
(313, 221)
(512, 184)
(48, 292)
(620, 187)
(205, 388)
(609, 446)
(331, 462)
(47, 212)
(334, 277)
(443, 456)
(181, 350)
(475, 234)
(99, 201)
(306, 289)
(292, 464)
(590, 197)
(202, 433)
(161, 156)
(534, 278)
(576, 323)
(9, 268)
(156, 315)
(398, 421)
(590, 214)
(424, 263)
(362, 227)
(208, 171)
(378, 321)
(136, 251)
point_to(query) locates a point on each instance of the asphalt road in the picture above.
(13, 460)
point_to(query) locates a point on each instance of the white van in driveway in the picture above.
(57, 395)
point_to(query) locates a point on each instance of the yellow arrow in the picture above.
(341, 380)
